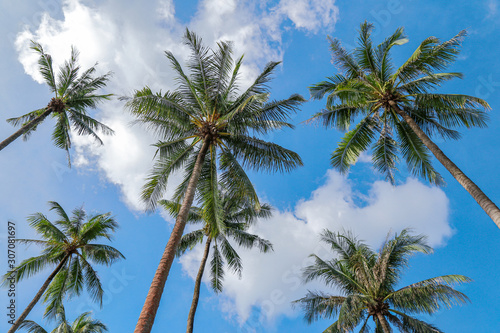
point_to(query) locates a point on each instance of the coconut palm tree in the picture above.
(367, 282)
(68, 244)
(82, 324)
(396, 110)
(74, 93)
(206, 121)
(236, 215)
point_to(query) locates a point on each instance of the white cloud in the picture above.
(135, 57)
(125, 157)
(128, 41)
(492, 6)
(166, 10)
(310, 15)
(272, 281)
(364, 157)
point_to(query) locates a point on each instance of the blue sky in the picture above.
(129, 39)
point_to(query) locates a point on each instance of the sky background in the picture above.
(129, 37)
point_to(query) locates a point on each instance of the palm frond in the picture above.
(97, 226)
(25, 119)
(382, 54)
(56, 291)
(429, 295)
(259, 155)
(68, 73)
(92, 281)
(416, 155)
(364, 53)
(223, 71)
(385, 156)
(32, 327)
(412, 325)
(61, 136)
(432, 81)
(45, 228)
(172, 207)
(101, 254)
(336, 116)
(234, 179)
(211, 198)
(85, 324)
(148, 107)
(217, 269)
(190, 240)
(233, 260)
(45, 66)
(187, 88)
(270, 116)
(30, 267)
(332, 273)
(85, 125)
(344, 60)
(353, 144)
(157, 180)
(319, 90)
(318, 305)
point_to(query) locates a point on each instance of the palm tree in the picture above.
(367, 282)
(67, 244)
(236, 215)
(73, 95)
(396, 106)
(205, 122)
(82, 324)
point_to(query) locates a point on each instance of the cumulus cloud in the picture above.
(272, 280)
(130, 39)
(310, 15)
(132, 54)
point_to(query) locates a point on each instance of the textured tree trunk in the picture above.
(196, 294)
(35, 300)
(383, 322)
(486, 204)
(25, 129)
(148, 313)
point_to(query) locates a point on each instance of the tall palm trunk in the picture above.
(35, 300)
(196, 294)
(25, 128)
(384, 323)
(148, 313)
(486, 204)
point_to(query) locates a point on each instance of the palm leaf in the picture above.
(32, 327)
(259, 155)
(385, 156)
(416, 155)
(190, 240)
(336, 116)
(216, 268)
(102, 254)
(412, 325)
(56, 291)
(45, 66)
(157, 180)
(352, 144)
(428, 295)
(68, 73)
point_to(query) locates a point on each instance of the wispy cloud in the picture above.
(492, 8)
